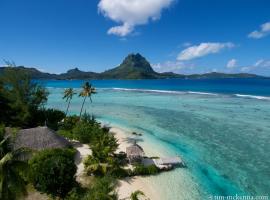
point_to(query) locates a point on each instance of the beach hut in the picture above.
(135, 153)
(38, 138)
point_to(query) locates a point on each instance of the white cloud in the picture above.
(232, 63)
(122, 30)
(264, 31)
(203, 49)
(258, 65)
(259, 62)
(130, 13)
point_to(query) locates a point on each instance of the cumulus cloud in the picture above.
(130, 13)
(203, 49)
(232, 63)
(264, 31)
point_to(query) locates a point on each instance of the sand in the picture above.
(126, 186)
(129, 185)
(83, 150)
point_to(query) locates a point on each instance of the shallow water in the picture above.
(223, 138)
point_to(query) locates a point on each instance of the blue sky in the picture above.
(184, 36)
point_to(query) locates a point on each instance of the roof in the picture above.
(135, 150)
(39, 138)
(168, 161)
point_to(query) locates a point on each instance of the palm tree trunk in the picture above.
(68, 106)
(82, 107)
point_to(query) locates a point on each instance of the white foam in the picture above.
(253, 97)
(162, 91)
(203, 93)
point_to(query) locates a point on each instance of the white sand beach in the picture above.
(129, 185)
(126, 186)
(83, 150)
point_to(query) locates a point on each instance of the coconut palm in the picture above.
(135, 195)
(103, 189)
(87, 91)
(68, 94)
(12, 174)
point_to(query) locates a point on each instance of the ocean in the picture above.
(220, 128)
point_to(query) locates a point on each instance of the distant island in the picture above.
(134, 66)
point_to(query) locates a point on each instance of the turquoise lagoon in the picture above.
(221, 128)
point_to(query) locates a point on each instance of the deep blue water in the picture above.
(252, 86)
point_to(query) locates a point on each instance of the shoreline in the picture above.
(130, 184)
(124, 186)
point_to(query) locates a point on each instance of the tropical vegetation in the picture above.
(52, 171)
(135, 195)
(87, 91)
(68, 95)
(21, 99)
(13, 170)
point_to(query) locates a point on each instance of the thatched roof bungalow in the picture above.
(134, 153)
(39, 138)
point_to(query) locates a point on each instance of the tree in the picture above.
(84, 132)
(52, 117)
(53, 171)
(103, 189)
(100, 189)
(4, 105)
(103, 146)
(13, 172)
(68, 94)
(87, 91)
(135, 195)
(22, 95)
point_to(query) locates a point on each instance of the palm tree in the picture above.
(87, 91)
(103, 189)
(13, 171)
(68, 94)
(135, 195)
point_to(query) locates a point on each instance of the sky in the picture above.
(182, 36)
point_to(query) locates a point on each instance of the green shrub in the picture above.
(83, 132)
(145, 170)
(69, 123)
(53, 117)
(77, 193)
(119, 172)
(103, 189)
(66, 134)
(103, 146)
(2, 131)
(90, 119)
(53, 171)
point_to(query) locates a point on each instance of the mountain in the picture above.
(134, 66)
(33, 72)
(222, 75)
(78, 74)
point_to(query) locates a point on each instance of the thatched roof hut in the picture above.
(134, 152)
(39, 138)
